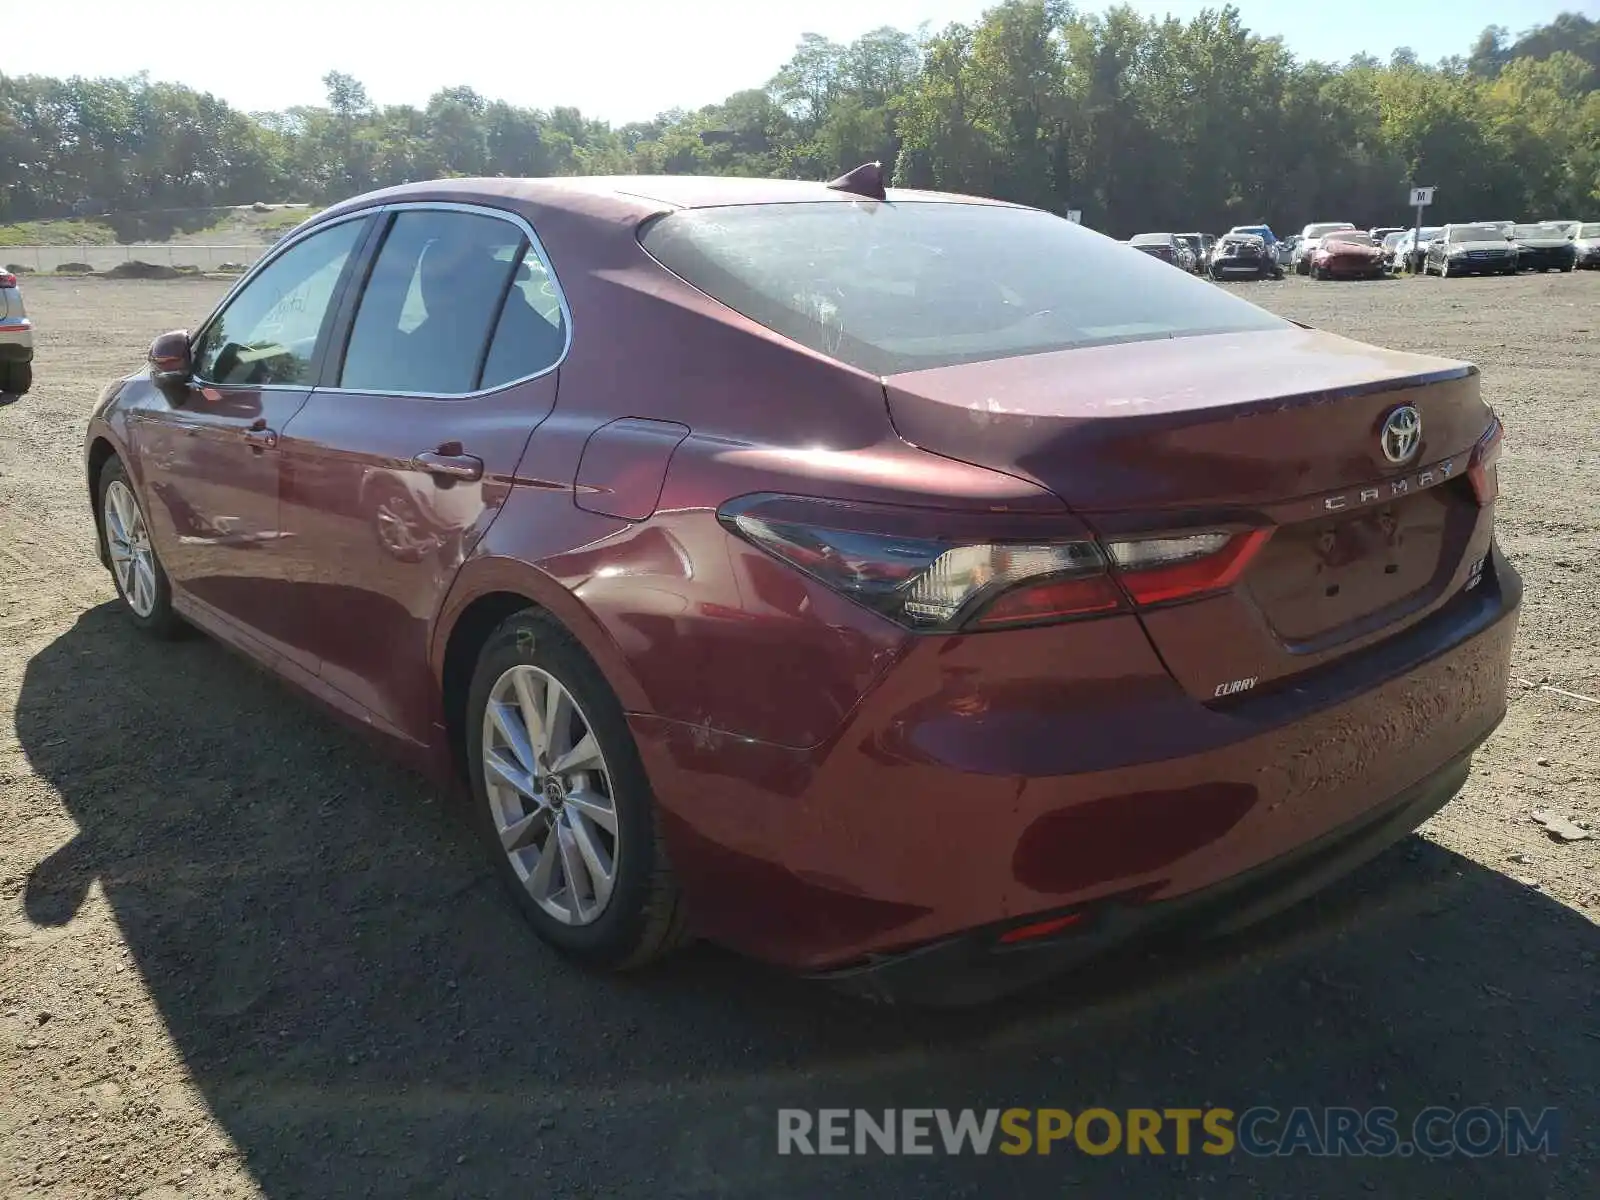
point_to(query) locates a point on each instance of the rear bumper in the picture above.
(973, 967)
(987, 781)
(16, 342)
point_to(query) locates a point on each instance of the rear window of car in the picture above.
(890, 287)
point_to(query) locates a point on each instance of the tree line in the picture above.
(1140, 123)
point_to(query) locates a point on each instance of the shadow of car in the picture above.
(363, 1013)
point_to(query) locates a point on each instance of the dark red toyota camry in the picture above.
(915, 590)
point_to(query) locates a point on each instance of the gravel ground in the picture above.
(241, 955)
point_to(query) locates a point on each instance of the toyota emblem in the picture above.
(1402, 434)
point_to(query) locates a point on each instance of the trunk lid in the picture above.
(1281, 429)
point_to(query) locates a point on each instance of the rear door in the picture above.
(395, 468)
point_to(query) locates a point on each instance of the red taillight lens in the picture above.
(1163, 569)
(1049, 600)
(930, 577)
(7, 280)
(949, 572)
(1484, 467)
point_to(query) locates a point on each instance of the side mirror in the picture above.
(171, 365)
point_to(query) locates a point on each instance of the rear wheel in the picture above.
(137, 572)
(562, 801)
(16, 377)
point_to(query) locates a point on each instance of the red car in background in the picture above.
(912, 590)
(1347, 254)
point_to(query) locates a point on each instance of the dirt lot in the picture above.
(240, 955)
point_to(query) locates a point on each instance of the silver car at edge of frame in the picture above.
(16, 338)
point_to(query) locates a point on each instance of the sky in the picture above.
(618, 60)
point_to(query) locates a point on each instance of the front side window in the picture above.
(268, 333)
(902, 287)
(428, 308)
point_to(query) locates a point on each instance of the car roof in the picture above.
(644, 195)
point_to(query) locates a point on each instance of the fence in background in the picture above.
(45, 259)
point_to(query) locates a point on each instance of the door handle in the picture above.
(451, 466)
(259, 436)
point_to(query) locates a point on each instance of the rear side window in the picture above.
(531, 333)
(890, 287)
(431, 303)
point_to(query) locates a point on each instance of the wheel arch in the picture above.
(486, 593)
(101, 451)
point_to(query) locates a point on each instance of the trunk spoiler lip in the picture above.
(1177, 418)
(1424, 370)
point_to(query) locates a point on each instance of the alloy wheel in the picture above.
(550, 795)
(128, 541)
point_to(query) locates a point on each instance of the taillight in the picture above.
(1159, 570)
(1484, 466)
(7, 280)
(934, 577)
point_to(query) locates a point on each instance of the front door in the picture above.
(210, 464)
(392, 475)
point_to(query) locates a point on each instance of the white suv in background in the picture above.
(16, 338)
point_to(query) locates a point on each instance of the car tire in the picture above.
(1444, 269)
(1566, 269)
(641, 915)
(16, 378)
(136, 571)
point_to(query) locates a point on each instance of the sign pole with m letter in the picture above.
(1421, 197)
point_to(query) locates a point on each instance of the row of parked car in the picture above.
(1339, 250)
